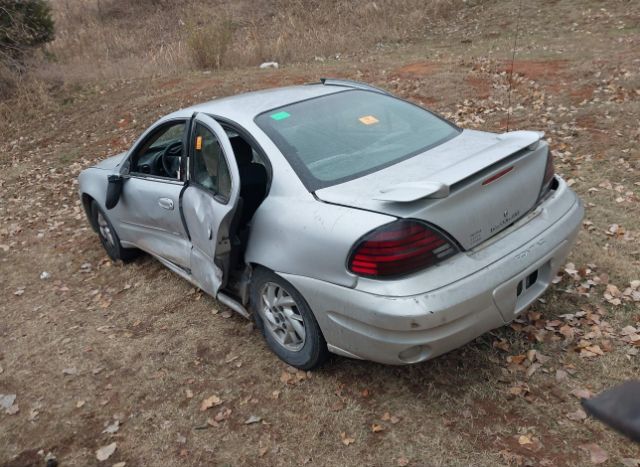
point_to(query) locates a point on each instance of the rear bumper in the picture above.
(407, 329)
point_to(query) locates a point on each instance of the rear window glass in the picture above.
(335, 138)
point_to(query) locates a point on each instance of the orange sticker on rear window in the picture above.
(368, 120)
(198, 143)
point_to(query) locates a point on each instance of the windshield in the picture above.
(338, 137)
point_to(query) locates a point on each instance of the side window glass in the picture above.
(161, 154)
(209, 165)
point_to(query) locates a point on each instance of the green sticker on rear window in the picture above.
(280, 115)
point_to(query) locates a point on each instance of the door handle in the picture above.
(166, 203)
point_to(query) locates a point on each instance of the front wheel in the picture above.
(109, 237)
(284, 318)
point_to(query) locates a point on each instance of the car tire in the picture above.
(304, 352)
(108, 236)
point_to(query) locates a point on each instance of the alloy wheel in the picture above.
(282, 317)
(105, 230)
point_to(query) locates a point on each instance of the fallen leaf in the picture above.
(105, 452)
(532, 369)
(524, 440)
(596, 453)
(80, 404)
(577, 416)
(561, 375)
(628, 331)
(402, 462)
(252, 419)
(582, 393)
(70, 371)
(567, 331)
(629, 462)
(346, 439)
(210, 402)
(517, 359)
(188, 393)
(376, 428)
(222, 415)
(502, 344)
(387, 417)
(595, 349)
(286, 377)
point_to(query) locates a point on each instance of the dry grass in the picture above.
(118, 39)
(154, 337)
(208, 41)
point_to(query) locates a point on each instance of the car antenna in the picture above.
(513, 59)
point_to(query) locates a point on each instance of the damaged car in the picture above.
(341, 218)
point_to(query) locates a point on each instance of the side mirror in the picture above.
(114, 190)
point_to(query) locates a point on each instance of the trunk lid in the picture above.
(473, 186)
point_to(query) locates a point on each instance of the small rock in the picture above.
(113, 428)
(269, 65)
(7, 400)
(70, 371)
(44, 275)
(105, 452)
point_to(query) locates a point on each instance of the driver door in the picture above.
(209, 202)
(148, 213)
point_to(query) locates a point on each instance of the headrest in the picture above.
(242, 151)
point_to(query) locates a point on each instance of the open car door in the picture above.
(209, 202)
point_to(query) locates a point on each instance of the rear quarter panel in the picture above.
(307, 237)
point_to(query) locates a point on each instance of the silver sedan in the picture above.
(341, 218)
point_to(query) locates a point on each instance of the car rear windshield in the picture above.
(339, 137)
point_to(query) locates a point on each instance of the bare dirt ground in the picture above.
(96, 342)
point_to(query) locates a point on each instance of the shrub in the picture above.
(209, 42)
(24, 24)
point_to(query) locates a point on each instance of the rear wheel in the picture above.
(109, 237)
(286, 321)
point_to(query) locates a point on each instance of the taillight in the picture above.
(549, 172)
(399, 248)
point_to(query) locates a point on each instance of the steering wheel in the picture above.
(171, 159)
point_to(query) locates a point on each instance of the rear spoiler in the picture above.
(412, 191)
(507, 145)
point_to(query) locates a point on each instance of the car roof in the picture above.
(245, 107)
